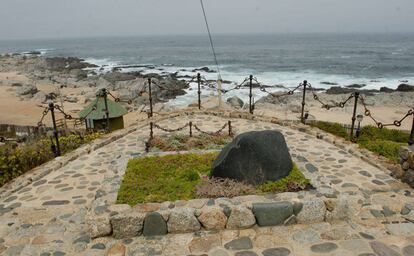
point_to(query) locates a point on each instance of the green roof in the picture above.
(115, 110)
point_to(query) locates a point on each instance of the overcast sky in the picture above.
(85, 18)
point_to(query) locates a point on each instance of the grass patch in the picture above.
(384, 142)
(295, 181)
(332, 128)
(179, 142)
(185, 177)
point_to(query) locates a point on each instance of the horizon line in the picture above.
(217, 34)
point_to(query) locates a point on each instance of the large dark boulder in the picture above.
(405, 88)
(386, 89)
(254, 157)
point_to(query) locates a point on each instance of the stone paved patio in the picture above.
(47, 217)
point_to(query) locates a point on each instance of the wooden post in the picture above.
(191, 129)
(230, 130)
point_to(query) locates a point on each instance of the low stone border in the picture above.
(121, 221)
(155, 219)
(406, 158)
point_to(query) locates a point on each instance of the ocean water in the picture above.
(375, 60)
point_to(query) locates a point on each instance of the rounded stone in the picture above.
(280, 251)
(408, 250)
(245, 253)
(272, 214)
(242, 243)
(213, 218)
(312, 211)
(99, 246)
(182, 220)
(154, 225)
(254, 157)
(240, 218)
(324, 247)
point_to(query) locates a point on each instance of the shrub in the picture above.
(386, 148)
(179, 142)
(333, 128)
(374, 133)
(16, 160)
(384, 142)
(218, 187)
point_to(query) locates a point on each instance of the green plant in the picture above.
(333, 128)
(295, 181)
(374, 133)
(186, 176)
(179, 142)
(166, 178)
(386, 148)
(384, 142)
(18, 159)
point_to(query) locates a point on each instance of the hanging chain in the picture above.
(330, 106)
(45, 112)
(67, 116)
(212, 133)
(171, 130)
(381, 125)
(288, 93)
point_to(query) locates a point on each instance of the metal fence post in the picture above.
(302, 116)
(356, 95)
(199, 90)
(191, 129)
(411, 140)
(250, 94)
(151, 130)
(55, 130)
(150, 96)
(105, 95)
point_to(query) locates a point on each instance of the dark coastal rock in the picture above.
(204, 69)
(26, 90)
(61, 63)
(386, 89)
(339, 90)
(356, 86)
(235, 102)
(342, 90)
(328, 83)
(118, 76)
(254, 157)
(405, 88)
(33, 53)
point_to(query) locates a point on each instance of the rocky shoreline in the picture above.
(29, 80)
(72, 72)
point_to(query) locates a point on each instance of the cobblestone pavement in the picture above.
(47, 216)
